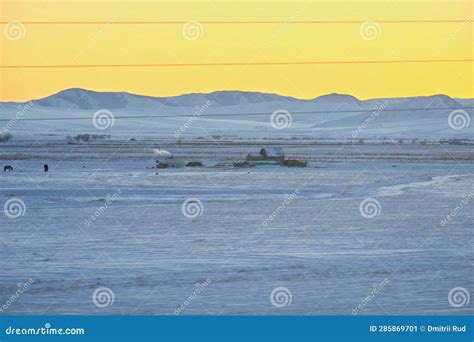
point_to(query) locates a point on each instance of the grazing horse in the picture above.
(7, 168)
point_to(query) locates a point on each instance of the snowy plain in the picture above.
(104, 219)
(319, 246)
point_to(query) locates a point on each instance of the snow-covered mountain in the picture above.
(239, 113)
(86, 99)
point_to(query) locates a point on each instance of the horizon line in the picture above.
(232, 90)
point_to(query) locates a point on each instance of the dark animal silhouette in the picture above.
(46, 168)
(7, 168)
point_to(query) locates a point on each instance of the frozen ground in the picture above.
(318, 245)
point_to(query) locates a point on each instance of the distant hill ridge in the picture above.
(87, 99)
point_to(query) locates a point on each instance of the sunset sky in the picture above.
(109, 40)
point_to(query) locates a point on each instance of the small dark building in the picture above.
(268, 154)
(295, 163)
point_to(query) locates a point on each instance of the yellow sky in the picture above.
(49, 44)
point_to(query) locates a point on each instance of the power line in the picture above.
(239, 22)
(223, 64)
(246, 114)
